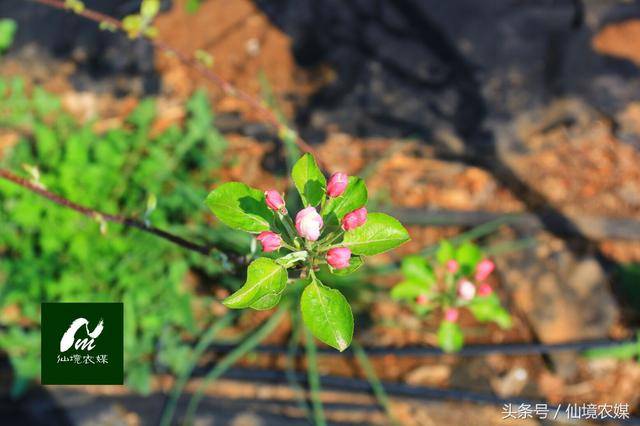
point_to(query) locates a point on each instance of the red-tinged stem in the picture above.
(107, 217)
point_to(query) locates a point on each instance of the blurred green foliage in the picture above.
(50, 253)
(192, 6)
(427, 278)
(625, 351)
(8, 29)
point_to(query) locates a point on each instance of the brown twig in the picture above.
(107, 217)
(190, 61)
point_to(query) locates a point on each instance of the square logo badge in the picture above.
(82, 343)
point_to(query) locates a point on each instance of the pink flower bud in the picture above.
(274, 200)
(451, 315)
(452, 266)
(422, 299)
(466, 290)
(484, 269)
(484, 290)
(270, 241)
(309, 223)
(339, 257)
(354, 219)
(337, 184)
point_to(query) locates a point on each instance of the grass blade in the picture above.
(290, 363)
(314, 379)
(374, 381)
(206, 340)
(231, 358)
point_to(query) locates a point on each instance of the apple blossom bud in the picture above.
(451, 315)
(466, 290)
(453, 266)
(354, 219)
(274, 200)
(484, 290)
(484, 269)
(339, 257)
(337, 184)
(309, 223)
(270, 241)
(422, 299)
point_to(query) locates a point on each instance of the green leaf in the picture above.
(149, 8)
(354, 264)
(354, 196)
(409, 290)
(265, 283)
(625, 351)
(132, 24)
(468, 255)
(450, 336)
(502, 318)
(292, 258)
(309, 180)
(241, 207)
(192, 6)
(445, 252)
(327, 314)
(8, 29)
(417, 268)
(488, 308)
(379, 233)
(266, 302)
(139, 378)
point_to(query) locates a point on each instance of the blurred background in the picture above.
(514, 123)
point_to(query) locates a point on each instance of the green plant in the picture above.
(8, 28)
(454, 280)
(192, 6)
(49, 253)
(626, 351)
(337, 238)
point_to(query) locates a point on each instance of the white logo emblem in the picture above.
(69, 337)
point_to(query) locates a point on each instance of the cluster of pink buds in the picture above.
(330, 234)
(484, 269)
(466, 290)
(309, 223)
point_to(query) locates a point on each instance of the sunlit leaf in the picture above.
(379, 233)
(309, 180)
(327, 314)
(241, 207)
(263, 288)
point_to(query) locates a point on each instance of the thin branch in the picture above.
(190, 61)
(107, 217)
